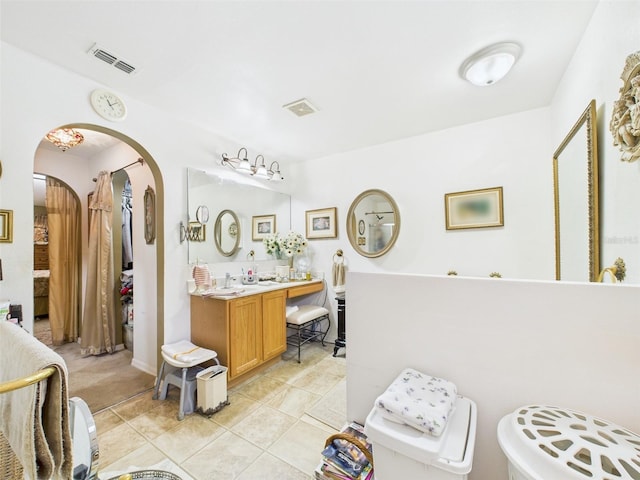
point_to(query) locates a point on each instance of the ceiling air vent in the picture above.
(301, 107)
(112, 59)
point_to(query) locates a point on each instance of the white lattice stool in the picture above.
(306, 323)
(183, 355)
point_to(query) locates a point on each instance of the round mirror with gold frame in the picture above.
(226, 233)
(373, 223)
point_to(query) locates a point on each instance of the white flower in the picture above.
(291, 244)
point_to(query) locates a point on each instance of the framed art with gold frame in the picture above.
(474, 209)
(262, 226)
(6, 226)
(321, 223)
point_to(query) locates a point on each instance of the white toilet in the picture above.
(543, 442)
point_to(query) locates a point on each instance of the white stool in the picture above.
(175, 378)
(184, 355)
(306, 322)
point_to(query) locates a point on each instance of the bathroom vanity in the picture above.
(247, 330)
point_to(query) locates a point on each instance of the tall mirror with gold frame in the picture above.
(575, 189)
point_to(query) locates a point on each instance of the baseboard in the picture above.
(143, 366)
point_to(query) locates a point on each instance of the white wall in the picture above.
(504, 343)
(508, 151)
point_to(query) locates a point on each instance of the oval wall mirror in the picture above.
(373, 223)
(227, 233)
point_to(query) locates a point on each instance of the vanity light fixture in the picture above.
(260, 171)
(489, 65)
(257, 169)
(65, 138)
(274, 174)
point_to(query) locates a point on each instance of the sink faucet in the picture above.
(227, 280)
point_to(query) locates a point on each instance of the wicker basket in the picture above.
(353, 440)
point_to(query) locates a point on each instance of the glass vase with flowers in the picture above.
(285, 246)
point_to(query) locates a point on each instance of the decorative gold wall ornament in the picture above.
(618, 271)
(625, 120)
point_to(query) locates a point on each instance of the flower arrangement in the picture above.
(289, 245)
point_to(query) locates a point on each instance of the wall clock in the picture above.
(108, 105)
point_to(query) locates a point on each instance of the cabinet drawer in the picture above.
(305, 289)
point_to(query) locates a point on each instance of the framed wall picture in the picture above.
(6, 226)
(149, 215)
(474, 209)
(263, 225)
(322, 223)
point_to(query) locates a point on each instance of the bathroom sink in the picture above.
(223, 291)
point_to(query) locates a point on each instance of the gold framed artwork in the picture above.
(262, 226)
(6, 226)
(150, 215)
(474, 209)
(321, 223)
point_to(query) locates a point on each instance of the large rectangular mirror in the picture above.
(230, 207)
(575, 188)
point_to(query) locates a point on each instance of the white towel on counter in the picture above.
(419, 400)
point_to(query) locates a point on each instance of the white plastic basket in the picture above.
(543, 442)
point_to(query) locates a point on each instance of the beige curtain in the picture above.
(98, 321)
(64, 262)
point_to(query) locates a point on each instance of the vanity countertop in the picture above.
(294, 289)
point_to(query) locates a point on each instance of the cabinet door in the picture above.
(274, 331)
(245, 332)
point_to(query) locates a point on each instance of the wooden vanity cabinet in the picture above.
(274, 324)
(246, 332)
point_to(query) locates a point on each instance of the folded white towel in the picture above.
(187, 352)
(290, 310)
(419, 400)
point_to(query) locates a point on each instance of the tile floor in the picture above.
(263, 434)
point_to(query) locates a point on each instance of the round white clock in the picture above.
(108, 105)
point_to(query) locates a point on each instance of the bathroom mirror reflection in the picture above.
(232, 201)
(227, 233)
(575, 187)
(373, 223)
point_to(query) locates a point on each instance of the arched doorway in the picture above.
(155, 253)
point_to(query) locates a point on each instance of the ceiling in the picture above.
(376, 71)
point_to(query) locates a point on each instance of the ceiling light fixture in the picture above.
(65, 138)
(487, 66)
(241, 164)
